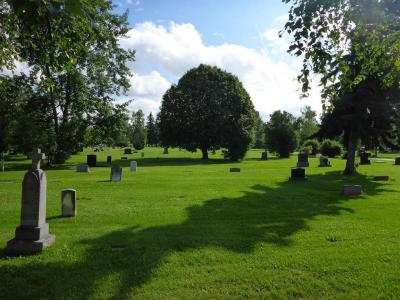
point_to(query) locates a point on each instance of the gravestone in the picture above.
(234, 170)
(264, 156)
(324, 162)
(109, 160)
(351, 190)
(82, 169)
(116, 173)
(397, 161)
(133, 166)
(91, 160)
(165, 151)
(302, 160)
(128, 151)
(381, 178)
(32, 236)
(364, 157)
(68, 203)
(142, 154)
(298, 174)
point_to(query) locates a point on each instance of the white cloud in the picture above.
(166, 52)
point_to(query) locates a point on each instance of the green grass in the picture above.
(180, 228)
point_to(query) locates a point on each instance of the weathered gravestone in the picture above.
(234, 170)
(298, 174)
(133, 166)
(351, 190)
(68, 203)
(264, 156)
(109, 160)
(302, 160)
(324, 162)
(165, 151)
(142, 154)
(397, 161)
(116, 173)
(381, 178)
(82, 169)
(91, 160)
(364, 157)
(128, 151)
(32, 236)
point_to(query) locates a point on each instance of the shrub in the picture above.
(314, 144)
(331, 148)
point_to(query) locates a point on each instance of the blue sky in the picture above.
(241, 37)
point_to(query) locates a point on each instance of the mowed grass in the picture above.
(180, 228)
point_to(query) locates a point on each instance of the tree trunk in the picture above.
(351, 154)
(204, 150)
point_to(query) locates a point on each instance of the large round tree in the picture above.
(208, 108)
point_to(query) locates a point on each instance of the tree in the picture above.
(259, 132)
(307, 124)
(72, 47)
(152, 132)
(354, 46)
(280, 133)
(139, 130)
(209, 108)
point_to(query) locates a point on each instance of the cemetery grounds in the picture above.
(181, 228)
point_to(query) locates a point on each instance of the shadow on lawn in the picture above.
(262, 215)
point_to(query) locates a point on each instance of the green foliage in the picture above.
(259, 133)
(280, 133)
(331, 148)
(72, 46)
(314, 145)
(306, 124)
(139, 139)
(209, 108)
(152, 131)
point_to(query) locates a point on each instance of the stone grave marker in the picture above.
(324, 162)
(116, 173)
(302, 160)
(351, 190)
(91, 160)
(234, 170)
(298, 174)
(264, 156)
(133, 166)
(32, 236)
(128, 151)
(364, 157)
(397, 161)
(381, 178)
(82, 169)
(165, 151)
(109, 160)
(68, 203)
(142, 154)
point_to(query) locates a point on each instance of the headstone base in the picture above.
(31, 233)
(24, 247)
(303, 164)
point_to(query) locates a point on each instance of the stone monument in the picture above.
(364, 157)
(397, 161)
(324, 162)
(298, 174)
(116, 173)
(91, 160)
(133, 166)
(68, 203)
(127, 151)
(165, 151)
(302, 160)
(109, 160)
(32, 236)
(264, 156)
(352, 190)
(82, 169)
(234, 170)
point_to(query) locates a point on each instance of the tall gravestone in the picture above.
(109, 158)
(133, 166)
(32, 236)
(116, 173)
(91, 160)
(397, 161)
(68, 203)
(264, 155)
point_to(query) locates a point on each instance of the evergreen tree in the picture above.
(151, 128)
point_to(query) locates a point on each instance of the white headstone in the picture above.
(116, 173)
(133, 166)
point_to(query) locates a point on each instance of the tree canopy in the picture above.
(208, 108)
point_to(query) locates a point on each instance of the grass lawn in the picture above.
(180, 228)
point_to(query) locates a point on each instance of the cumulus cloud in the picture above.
(166, 52)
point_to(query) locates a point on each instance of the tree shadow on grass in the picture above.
(263, 215)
